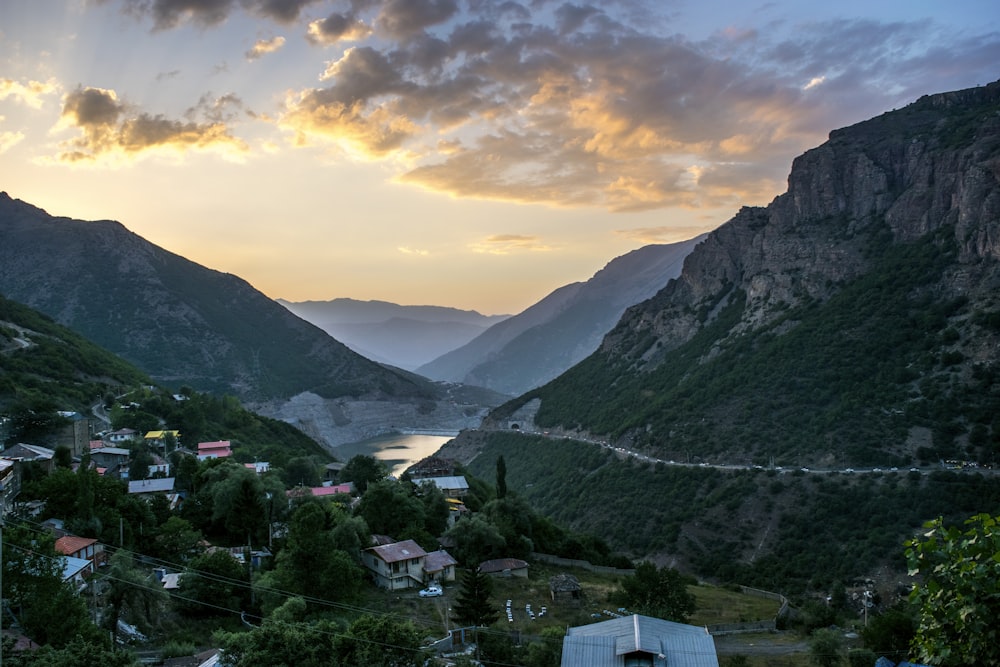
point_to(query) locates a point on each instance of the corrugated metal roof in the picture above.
(608, 642)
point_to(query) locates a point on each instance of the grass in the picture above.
(714, 604)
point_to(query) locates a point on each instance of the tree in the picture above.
(215, 583)
(473, 605)
(132, 590)
(277, 642)
(380, 641)
(390, 509)
(363, 470)
(661, 593)
(475, 540)
(501, 478)
(825, 647)
(49, 610)
(958, 591)
(310, 564)
(77, 652)
(891, 632)
(177, 539)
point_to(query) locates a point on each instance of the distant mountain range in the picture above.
(536, 345)
(389, 333)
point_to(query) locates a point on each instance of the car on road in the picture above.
(431, 592)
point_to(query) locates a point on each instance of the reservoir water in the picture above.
(397, 450)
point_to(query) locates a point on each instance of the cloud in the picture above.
(167, 14)
(30, 94)
(9, 139)
(264, 46)
(814, 82)
(664, 234)
(597, 104)
(336, 28)
(506, 244)
(413, 251)
(403, 18)
(110, 130)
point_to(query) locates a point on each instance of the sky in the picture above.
(468, 153)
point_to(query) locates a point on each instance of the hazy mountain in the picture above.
(185, 324)
(403, 336)
(538, 344)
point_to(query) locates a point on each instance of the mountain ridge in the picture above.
(534, 346)
(914, 191)
(399, 335)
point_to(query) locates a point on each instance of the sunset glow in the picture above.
(449, 152)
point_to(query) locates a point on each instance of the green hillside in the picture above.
(842, 382)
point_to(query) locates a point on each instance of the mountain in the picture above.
(42, 362)
(533, 347)
(723, 424)
(389, 333)
(184, 324)
(852, 320)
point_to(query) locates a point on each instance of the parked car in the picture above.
(431, 591)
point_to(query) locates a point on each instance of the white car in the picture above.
(431, 592)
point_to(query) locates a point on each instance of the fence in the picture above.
(583, 564)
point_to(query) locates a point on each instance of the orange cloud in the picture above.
(30, 94)
(110, 130)
(506, 244)
(265, 46)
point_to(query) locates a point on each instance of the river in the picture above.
(398, 450)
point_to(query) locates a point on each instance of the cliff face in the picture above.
(931, 165)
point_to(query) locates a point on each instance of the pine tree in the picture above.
(501, 477)
(473, 606)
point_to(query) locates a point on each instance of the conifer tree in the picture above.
(473, 606)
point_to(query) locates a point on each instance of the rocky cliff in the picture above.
(854, 319)
(932, 165)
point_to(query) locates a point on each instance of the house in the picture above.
(109, 457)
(10, 485)
(259, 467)
(76, 571)
(440, 566)
(147, 487)
(122, 435)
(641, 641)
(320, 491)
(76, 434)
(158, 439)
(506, 567)
(331, 471)
(455, 486)
(158, 485)
(219, 449)
(396, 566)
(209, 658)
(565, 588)
(88, 548)
(25, 453)
(432, 466)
